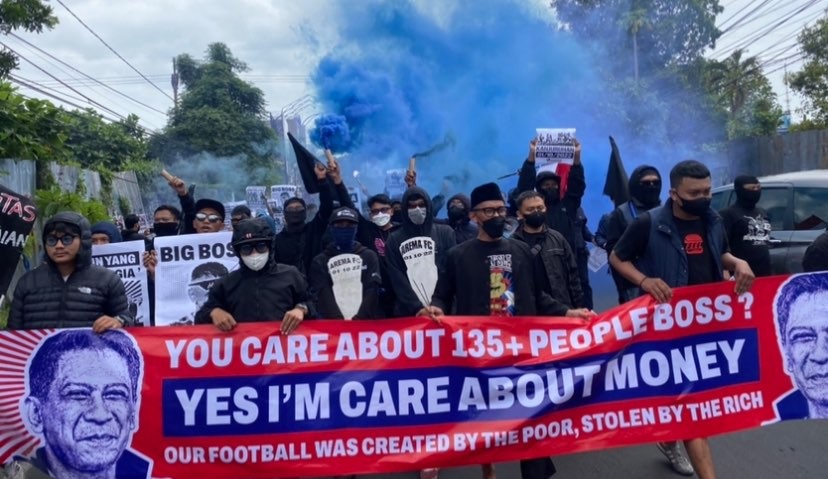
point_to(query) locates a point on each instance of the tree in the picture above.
(676, 32)
(219, 113)
(29, 15)
(812, 81)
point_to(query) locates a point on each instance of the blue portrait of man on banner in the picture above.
(801, 313)
(82, 400)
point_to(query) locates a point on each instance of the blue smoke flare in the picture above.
(332, 132)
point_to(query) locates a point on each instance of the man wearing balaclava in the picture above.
(416, 252)
(260, 290)
(494, 276)
(561, 210)
(459, 207)
(645, 194)
(300, 241)
(345, 278)
(747, 225)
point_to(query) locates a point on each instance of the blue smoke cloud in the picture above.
(332, 132)
(405, 75)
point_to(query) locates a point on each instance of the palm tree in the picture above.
(734, 79)
(634, 21)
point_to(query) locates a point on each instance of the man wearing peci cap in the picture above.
(336, 293)
(261, 289)
(495, 276)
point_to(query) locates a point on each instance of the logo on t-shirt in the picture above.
(758, 230)
(379, 245)
(693, 244)
(501, 292)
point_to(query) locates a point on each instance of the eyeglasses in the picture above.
(376, 211)
(248, 248)
(52, 241)
(489, 212)
(205, 285)
(210, 218)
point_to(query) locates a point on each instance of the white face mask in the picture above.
(381, 219)
(255, 261)
(417, 215)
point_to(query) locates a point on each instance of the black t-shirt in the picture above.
(700, 262)
(748, 234)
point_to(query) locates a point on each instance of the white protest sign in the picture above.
(554, 146)
(346, 275)
(421, 267)
(188, 265)
(282, 193)
(127, 260)
(255, 197)
(597, 259)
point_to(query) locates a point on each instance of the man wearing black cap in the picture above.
(260, 290)
(202, 216)
(645, 194)
(494, 276)
(561, 211)
(338, 294)
(748, 227)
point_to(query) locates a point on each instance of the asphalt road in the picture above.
(791, 450)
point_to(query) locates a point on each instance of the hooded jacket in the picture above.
(621, 218)
(108, 229)
(464, 229)
(322, 290)
(256, 296)
(407, 303)
(43, 300)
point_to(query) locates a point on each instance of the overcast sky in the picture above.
(271, 36)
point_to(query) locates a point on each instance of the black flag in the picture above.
(306, 162)
(616, 185)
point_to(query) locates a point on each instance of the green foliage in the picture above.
(31, 129)
(28, 15)
(219, 114)
(52, 201)
(123, 206)
(812, 81)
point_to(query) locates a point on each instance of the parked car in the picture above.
(797, 206)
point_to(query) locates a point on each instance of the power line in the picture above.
(87, 76)
(113, 50)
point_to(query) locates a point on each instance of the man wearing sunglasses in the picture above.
(202, 216)
(260, 290)
(67, 290)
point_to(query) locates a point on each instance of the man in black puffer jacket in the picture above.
(67, 290)
(261, 289)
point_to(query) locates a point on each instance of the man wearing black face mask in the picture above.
(418, 222)
(747, 226)
(458, 218)
(331, 297)
(300, 241)
(495, 276)
(166, 221)
(561, 212)
(561, 276)
(682, 243)
(645, 194)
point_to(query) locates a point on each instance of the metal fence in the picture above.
(770, 155)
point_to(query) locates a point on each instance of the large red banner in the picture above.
(350, 397)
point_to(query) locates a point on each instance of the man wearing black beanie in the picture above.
(494, 276)
(748, 227)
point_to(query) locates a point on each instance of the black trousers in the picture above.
(582, 258)
(541, 468)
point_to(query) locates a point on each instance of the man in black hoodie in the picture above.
(332, 292)
(645, 194)
(67, 290)
(417, 222)
(748, 227)
(459, 207)
(561, 212)
(260, 290)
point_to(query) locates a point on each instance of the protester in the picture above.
(166, 220)
(105, 232)
(132, 227)
(67, 290)
(459, 207)
(816, 256)
(561, 211)
(300, 241)
(600, 237)
(239, 213)
(418, 221)
(202, 216)
(260, 290)
(561, 278)
(645, 194)
(343, 230)
(648, 255)
(494, 276)
(747, 226)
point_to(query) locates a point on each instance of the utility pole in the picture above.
(174, 81)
